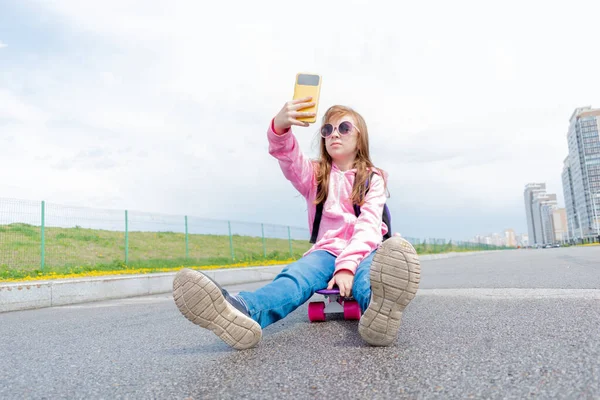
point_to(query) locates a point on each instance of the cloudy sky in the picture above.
(163, 106)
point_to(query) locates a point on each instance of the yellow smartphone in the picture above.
(308, 85)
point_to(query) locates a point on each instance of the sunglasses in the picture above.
(344, 129)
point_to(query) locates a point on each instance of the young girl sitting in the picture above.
(383, 276)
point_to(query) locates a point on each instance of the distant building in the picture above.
(510, 238)
(494, 239)
(523, 240)
(559, 224)
(573, 227)
(543, 205)
(498, 239)
(539, 209)
(531, 191)
(547, 209)
(581, 174)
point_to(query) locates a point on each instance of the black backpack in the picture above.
(387, 218)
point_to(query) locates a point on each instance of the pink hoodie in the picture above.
(341, 233)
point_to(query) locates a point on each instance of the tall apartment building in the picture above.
(544, 222)
(581, 174)
(510, 238)
(532, 190)
(559, 223)
(573, 228)
(543, 205)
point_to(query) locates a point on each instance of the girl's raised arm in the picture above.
(296, 167)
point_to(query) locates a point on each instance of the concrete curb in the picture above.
(39, 294)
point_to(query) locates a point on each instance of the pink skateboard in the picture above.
(334, 304)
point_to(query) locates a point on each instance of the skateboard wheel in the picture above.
(351, 310)
(316, 311)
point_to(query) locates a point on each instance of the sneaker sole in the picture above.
(395, 275)
(201, 302)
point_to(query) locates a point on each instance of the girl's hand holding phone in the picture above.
(290, 113)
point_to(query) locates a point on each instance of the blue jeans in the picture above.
(298, 281)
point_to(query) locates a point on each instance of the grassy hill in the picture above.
(77, 250)
(69, 249)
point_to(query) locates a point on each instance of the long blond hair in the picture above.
(362, 162)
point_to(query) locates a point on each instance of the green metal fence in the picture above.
(41, 235)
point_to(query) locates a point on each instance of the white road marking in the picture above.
(473, 293)
(513, 293)
(121, 302)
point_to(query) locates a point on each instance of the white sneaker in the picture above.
(205, 303)
(395, 275)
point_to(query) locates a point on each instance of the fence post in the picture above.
(290, 241)
(187, 252)
(43, 246)
(262, 227)
(230, 241)
(126, 238)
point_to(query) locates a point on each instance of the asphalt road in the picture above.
(516, 324)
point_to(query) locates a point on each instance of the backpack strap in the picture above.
(386, 217)
(316, 223)
(356, 206)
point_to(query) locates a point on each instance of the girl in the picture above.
(382, 276)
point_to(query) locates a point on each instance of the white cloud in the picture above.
(461, 110)
(13, 107)
(2, 45)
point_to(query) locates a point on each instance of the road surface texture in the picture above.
(512, 324)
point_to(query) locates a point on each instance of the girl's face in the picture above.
(341, 138)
